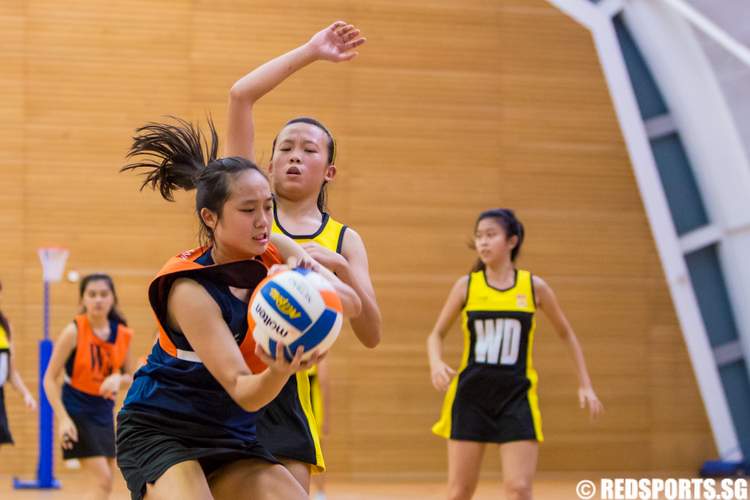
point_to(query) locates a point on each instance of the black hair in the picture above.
(510, 224)
(323, 194)
(178, 156)
(114, 313)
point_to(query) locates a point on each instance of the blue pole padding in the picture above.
(45, 478)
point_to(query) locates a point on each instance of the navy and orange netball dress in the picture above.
(493, 397)
(93, 360)
(176, 410)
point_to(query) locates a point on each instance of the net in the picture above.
(53, 262)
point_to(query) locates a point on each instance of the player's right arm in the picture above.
(440, 372)
(193, 311)
(335, 43)
(64, 346)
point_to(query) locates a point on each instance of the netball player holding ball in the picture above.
(187, 428)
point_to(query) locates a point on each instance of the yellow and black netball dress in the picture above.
(5, 436)
(493, 398)
(287, 426)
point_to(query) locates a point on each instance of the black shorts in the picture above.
(148, 444)
(482, 405)
(5, 436)
(287, 427)
(95, 439)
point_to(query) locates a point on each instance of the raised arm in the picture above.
(547, 301)
(440, 372)
(336, 43)
(198, 316)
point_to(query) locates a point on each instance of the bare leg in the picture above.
(99, 480)
(319, 481)
(184, 480)
(464, 462)
(519, 465)
(300, 471)
(256, 479)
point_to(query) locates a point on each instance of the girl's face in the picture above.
(98, 298)
(300, 161)
(244, 227)
(492, 243)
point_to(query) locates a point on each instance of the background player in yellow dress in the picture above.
(8, 372)
(302, 164)
(492, 398)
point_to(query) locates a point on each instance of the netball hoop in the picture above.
(53, 264)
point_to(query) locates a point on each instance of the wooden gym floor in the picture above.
(553, 486)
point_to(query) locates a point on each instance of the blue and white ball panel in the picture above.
(286, 305)
(304, 289)
(289, 309)
(319, 338)
(270, 324)
(321, 335)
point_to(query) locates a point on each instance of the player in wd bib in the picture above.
(493, 398)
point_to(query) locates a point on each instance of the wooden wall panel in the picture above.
(452, 107)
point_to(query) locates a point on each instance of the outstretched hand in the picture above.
(337, 42)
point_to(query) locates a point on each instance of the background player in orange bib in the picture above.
(302, 164)
(93, 356)
(492, 398)
(8, 372)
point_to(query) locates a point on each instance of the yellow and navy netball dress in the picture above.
(287, 426)
(176, 411)
(93, 360)
(493, 398)
(5, 436)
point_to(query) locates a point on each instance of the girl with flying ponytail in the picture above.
(187, 428)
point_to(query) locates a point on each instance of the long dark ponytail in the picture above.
(507, 219)
(178, 156)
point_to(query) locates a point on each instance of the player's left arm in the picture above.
(295, 255)
(547, 302)
(353, 268)
(128, 368)
(121, 380)
(367, 326)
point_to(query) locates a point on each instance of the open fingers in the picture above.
(343, 29)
